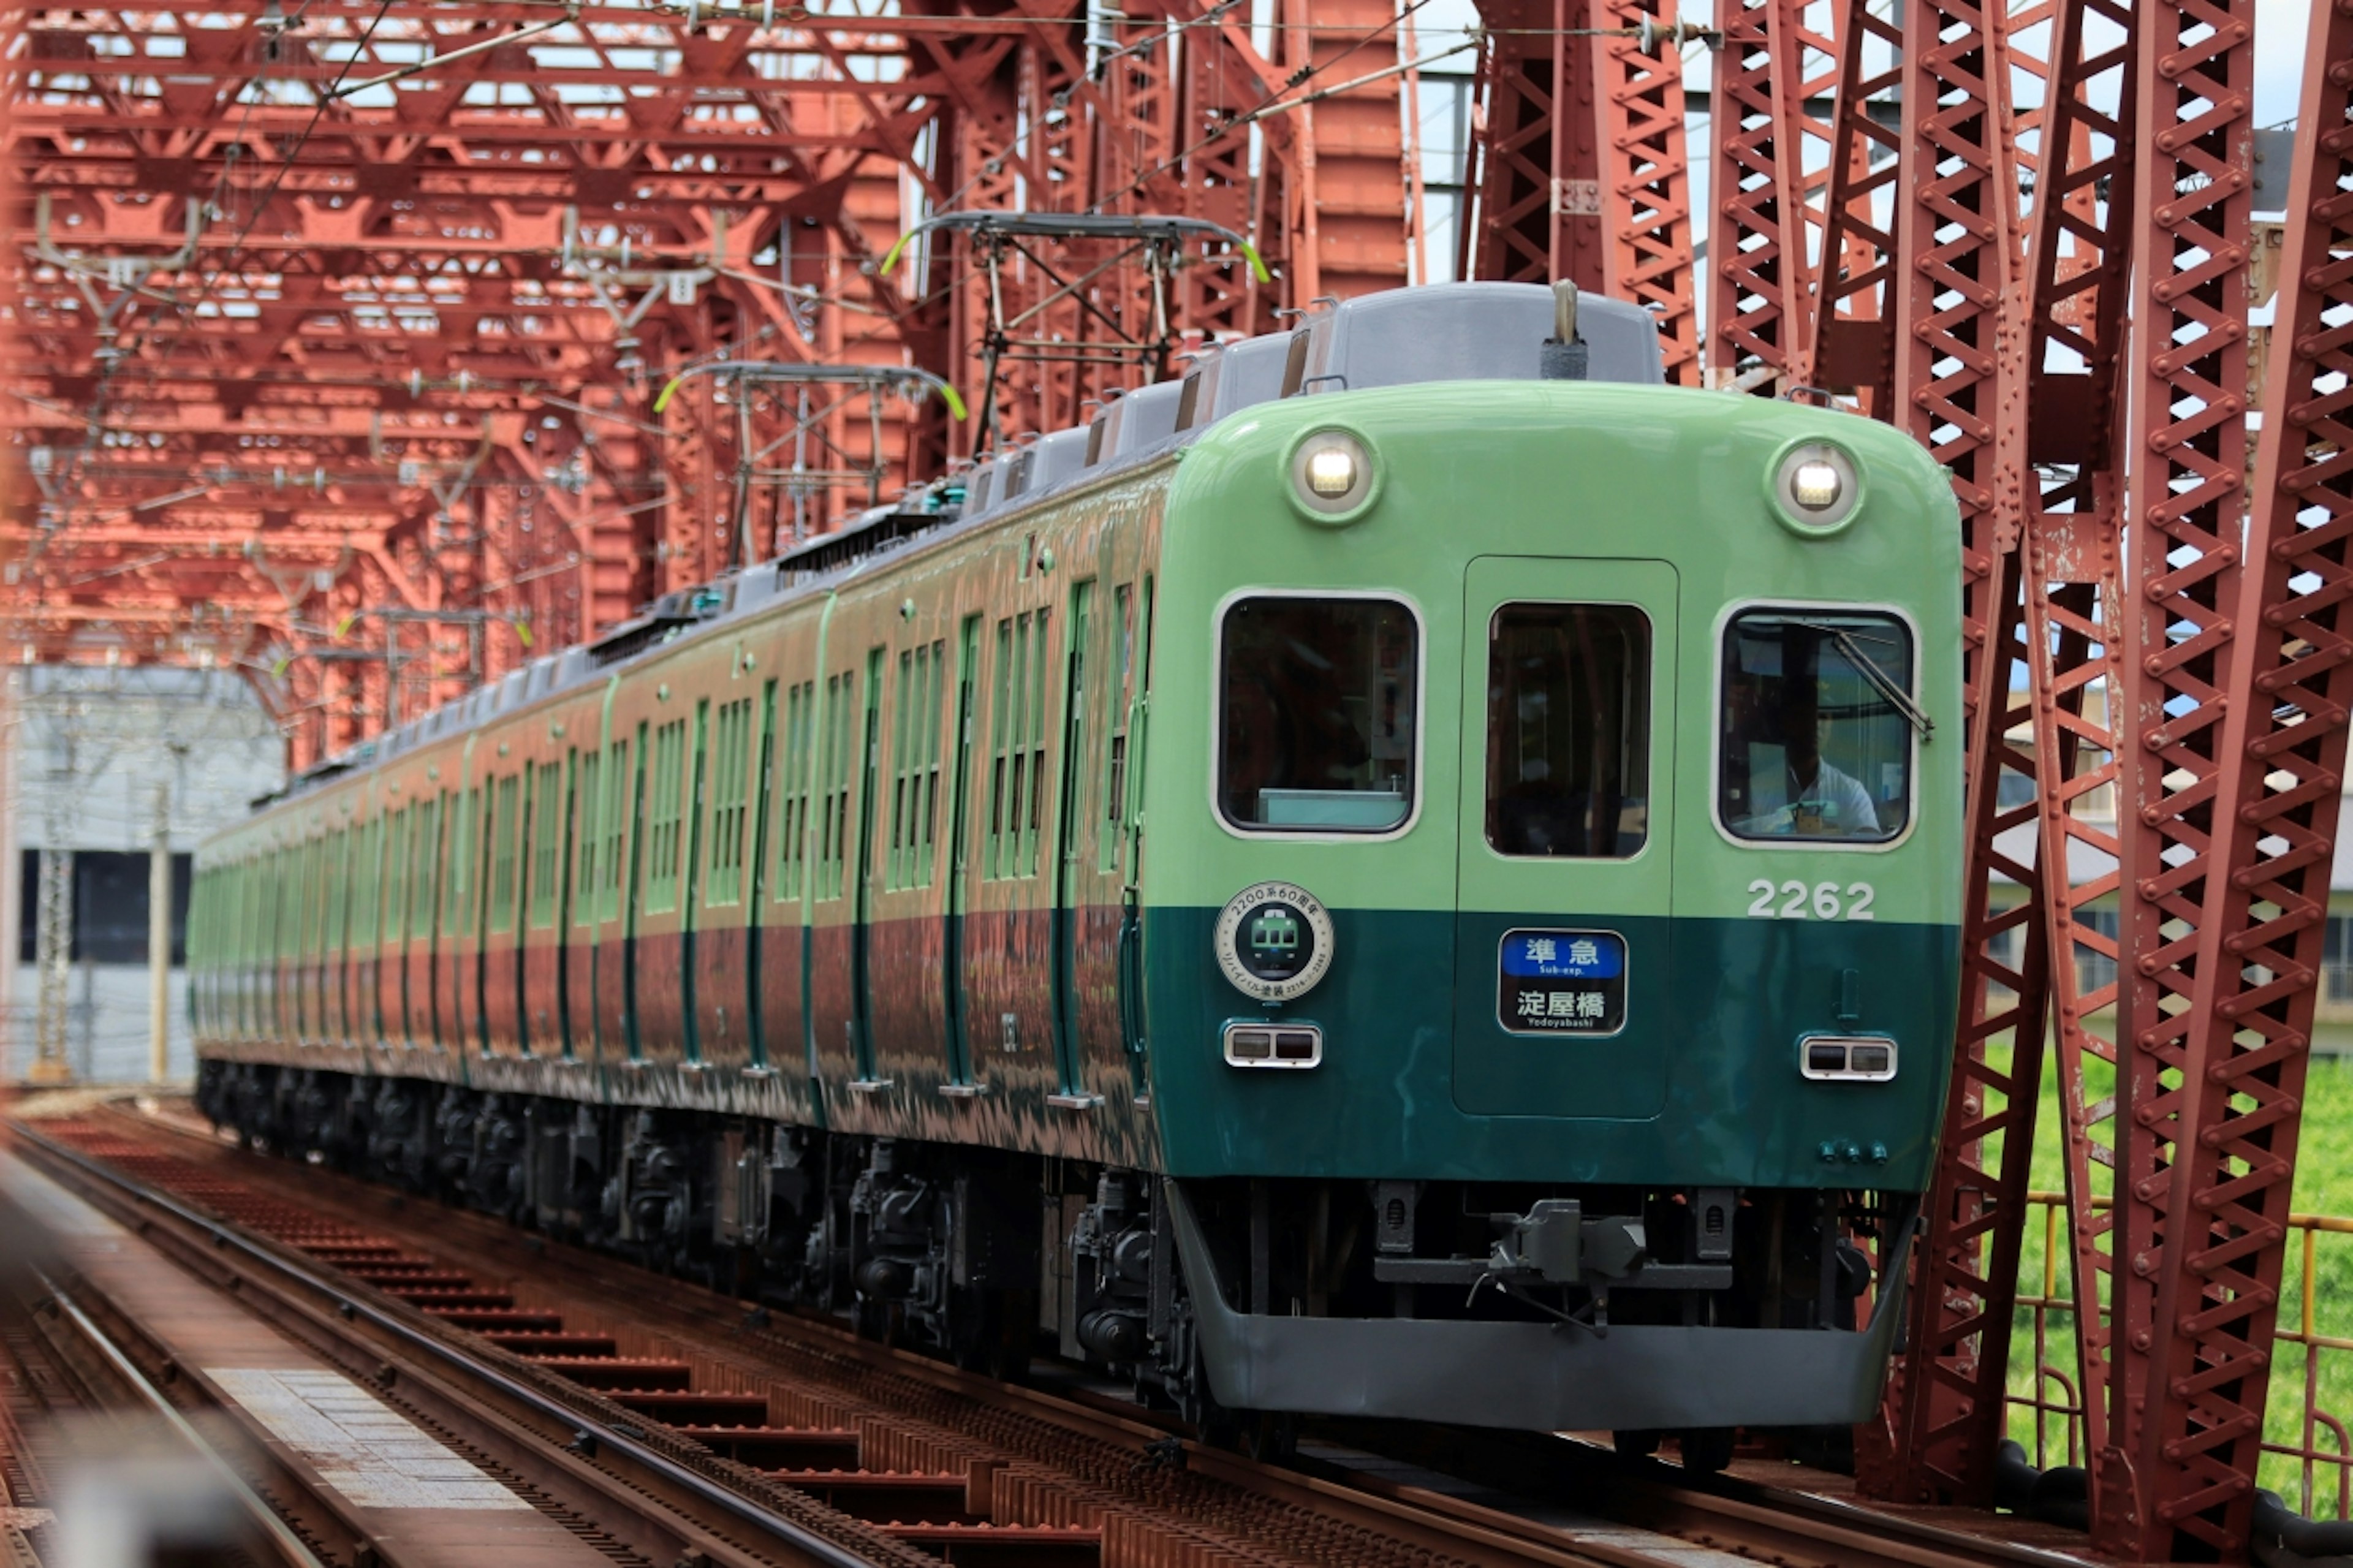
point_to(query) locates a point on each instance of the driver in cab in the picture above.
(1812, 797)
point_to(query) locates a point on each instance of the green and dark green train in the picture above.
(1413, 872)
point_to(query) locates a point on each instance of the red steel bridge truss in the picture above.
(339, 327)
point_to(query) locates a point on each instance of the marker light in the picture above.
(1332, 472)
(1816, 486)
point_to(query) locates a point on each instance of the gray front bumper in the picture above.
(1538, 1377)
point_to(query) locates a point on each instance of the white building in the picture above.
(107, 763)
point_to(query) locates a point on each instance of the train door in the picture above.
(539, 943)
(1070, 815)
(755, 874)
(860, 997)
(632, 895)
(690, 898)
(568, 857)
(1563, 961)
(959, 857)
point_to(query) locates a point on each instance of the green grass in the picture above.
(2324, 1185)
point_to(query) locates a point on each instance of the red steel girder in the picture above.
(1768, 184)
(2075, 322)
(543, 228)
(1958, 380)
(1583, 172)
(1847, 339)
(2192, 134)
(2238, 706)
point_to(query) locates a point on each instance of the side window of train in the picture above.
(546, 844)
(588, 822)
(1119, 698)
(370, 882)
(338, 903)
(665, 810)
(429, 860)
(915, 765)
(395, 876)
(1017, 730)
(792, 789)
(458, 833)
(470, 868)
(1568, 732)
(730, 762)
(1317, 701)
(841, 746)
(1814, 734)
(506, 834)
(619, 801)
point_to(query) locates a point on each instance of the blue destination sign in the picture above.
(1564, 954)
(1562, 983)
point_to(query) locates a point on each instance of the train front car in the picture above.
(1553, 885)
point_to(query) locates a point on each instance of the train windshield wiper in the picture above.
(1881, 681)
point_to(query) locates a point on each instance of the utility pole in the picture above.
(11, 871)
(159, 941)
(53, 933)
(53, 957)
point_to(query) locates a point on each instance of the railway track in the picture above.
(67, 1362)
(930, 1463)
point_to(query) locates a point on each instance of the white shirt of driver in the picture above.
(1837, 797)
(1845, 805)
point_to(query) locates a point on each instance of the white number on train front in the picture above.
(1822, 901)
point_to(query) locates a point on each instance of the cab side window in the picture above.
(1815, 732)
(1317, 713)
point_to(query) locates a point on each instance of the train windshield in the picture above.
(1316, 714)
(1815, 735)
(1568, 733)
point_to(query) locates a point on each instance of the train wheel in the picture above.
(1270, 1437)
(1706, 1449)
(992, 1332)
(1640, 1443)
(876, 1321)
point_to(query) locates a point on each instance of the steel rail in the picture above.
(351, 1305)
(1469, 1536)
(1772, 1521)
(289, 1545)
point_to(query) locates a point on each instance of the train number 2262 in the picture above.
(1794, 901)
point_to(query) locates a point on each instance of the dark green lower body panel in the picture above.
(1701, 1087)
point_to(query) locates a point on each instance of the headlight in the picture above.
(1331, 475)
(1815, 489)
(1816, 485)
(1331, 471)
